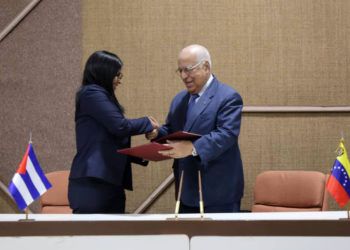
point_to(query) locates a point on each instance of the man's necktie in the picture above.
(191, 104)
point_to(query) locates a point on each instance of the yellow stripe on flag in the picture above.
(343, 158)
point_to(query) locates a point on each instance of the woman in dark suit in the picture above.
(99, 174)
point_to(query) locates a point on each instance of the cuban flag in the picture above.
(29, 182)
(338, 183)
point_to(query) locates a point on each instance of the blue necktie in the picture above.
(191, 104)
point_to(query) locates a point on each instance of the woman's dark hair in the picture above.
(101, 68)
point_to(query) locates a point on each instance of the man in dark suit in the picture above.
(213, 110)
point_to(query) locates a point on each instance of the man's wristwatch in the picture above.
(194, 152)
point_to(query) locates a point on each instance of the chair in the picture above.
(55, 200)
(290, 191)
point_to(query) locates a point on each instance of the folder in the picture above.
(179, 135)
(150, 151)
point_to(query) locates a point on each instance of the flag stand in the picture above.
(26, 210)
(348, 215)
(201, 204)
(27, 217)
(29, 182)
(337, 184)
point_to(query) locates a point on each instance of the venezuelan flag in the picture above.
(338, 183)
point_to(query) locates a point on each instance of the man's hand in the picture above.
(180, 149)
(152, 135)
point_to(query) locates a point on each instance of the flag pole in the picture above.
(342, 140)
(26, 211)
(30, 137)
(348, 207)
(201, 202)
(201, 205)
(177, 206)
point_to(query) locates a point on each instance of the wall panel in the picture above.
(9, 10)
(40, 70)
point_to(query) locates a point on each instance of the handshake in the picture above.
(154, 133)
(180, 149)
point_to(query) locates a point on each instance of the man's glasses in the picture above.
(189, 69)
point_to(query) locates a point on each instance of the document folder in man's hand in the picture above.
(150, 151)
(178, 136)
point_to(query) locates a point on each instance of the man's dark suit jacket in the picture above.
(217, 117)
(102, 129)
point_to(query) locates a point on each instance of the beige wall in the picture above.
(274, 52)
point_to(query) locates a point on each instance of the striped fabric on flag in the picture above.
(338, 183)
(29, 182)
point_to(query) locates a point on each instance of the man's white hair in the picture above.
(200, 51)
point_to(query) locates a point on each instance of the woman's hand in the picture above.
(154, 133)
(154, 122)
